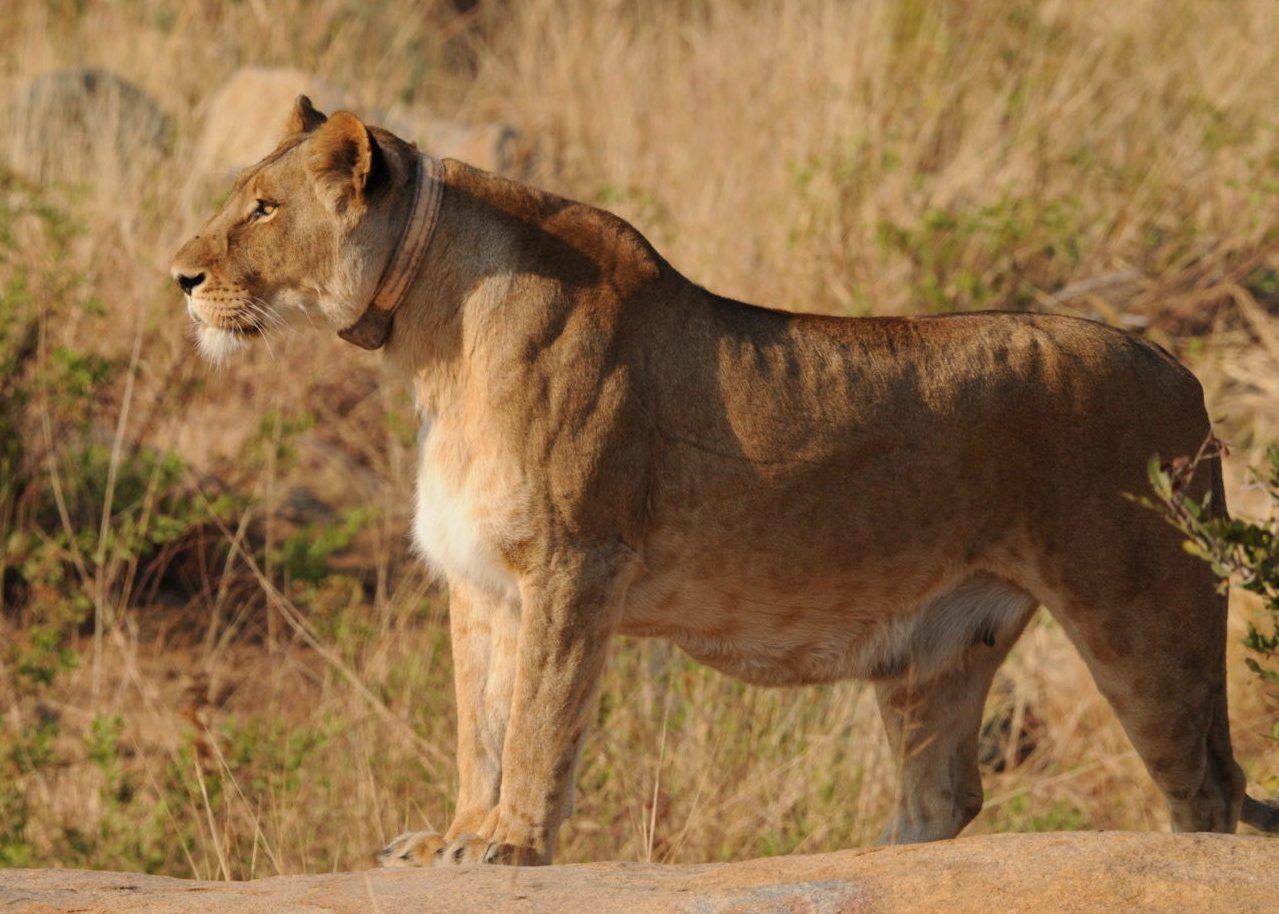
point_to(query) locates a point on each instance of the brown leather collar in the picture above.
(374, 326)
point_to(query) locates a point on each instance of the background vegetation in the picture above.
(216, 657)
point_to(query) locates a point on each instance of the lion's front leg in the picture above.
(568, 614)
(484, 629)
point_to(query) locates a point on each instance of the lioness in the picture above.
(607, 447)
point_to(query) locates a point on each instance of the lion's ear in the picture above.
(346, 161)
(304, 118)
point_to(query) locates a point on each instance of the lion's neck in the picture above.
(462, 280)
(505, 267)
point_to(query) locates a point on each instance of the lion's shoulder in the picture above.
(572, 241)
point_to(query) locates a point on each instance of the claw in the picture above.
(413, 848)
(454, 852)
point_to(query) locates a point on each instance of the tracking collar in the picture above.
(374, 325)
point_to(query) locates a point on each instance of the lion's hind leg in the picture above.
(932, 708)
(1160, 663)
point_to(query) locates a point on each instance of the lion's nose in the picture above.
(188, 282)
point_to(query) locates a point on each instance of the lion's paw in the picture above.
(474, 849)
(413, 848)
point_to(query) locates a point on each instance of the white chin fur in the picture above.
(218, 345)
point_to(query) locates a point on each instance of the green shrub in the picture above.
(1242, 552)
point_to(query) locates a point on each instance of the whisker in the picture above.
(262, 310)
(266, 340)
(310, 318)
(265, 333)
(269, 313)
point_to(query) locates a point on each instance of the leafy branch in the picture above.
(1241, 552)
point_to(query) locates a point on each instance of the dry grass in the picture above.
(241, 707)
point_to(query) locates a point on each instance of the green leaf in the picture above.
(1268, 675)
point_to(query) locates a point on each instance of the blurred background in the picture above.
(217, 658)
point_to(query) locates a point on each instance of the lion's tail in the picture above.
(1260, 814)
(1217, 506)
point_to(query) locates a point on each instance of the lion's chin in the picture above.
(218, 345)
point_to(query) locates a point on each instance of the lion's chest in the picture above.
(467, 510)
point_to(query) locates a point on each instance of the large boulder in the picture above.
(245, 118)
(83, 125)
(1069, 873)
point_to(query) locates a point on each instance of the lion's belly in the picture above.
(764, 637)
(819, 625)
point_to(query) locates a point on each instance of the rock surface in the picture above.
(993, 874)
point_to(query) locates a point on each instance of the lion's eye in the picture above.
(264, 209)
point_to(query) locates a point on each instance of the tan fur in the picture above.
(792, 499)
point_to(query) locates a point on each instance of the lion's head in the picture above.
(309, 229)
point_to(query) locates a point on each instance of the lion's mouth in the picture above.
(218, 341)
(247, 327)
